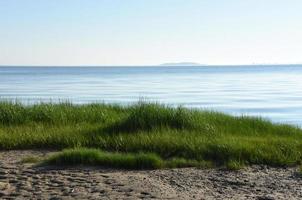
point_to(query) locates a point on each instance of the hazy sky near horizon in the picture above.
(149, 32)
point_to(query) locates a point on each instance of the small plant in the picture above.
(234, 165)
(31, 159)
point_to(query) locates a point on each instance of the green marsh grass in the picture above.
(96, 157)
(82, 156)
(187, 136)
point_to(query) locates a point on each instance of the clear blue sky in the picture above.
(148, 32)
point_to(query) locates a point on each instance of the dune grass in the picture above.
(96, 157)
(82, 156)
(176, 137)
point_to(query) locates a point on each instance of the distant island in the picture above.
(181, 64)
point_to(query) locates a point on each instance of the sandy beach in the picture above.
(182, 100)
(25, 181)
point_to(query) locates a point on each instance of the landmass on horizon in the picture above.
(181, 64)
(170, 64)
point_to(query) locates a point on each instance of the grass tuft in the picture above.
(82, 156)
(31, 159)
(148, 117)
(234, 165)
(95, 157)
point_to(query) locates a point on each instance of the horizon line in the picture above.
(158, 65)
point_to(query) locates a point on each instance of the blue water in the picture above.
(273, 92)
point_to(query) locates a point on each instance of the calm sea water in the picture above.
(273, 92)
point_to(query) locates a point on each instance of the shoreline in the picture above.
(24, 181)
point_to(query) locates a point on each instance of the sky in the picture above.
(150, 32)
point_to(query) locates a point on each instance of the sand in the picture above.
(26, 181)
